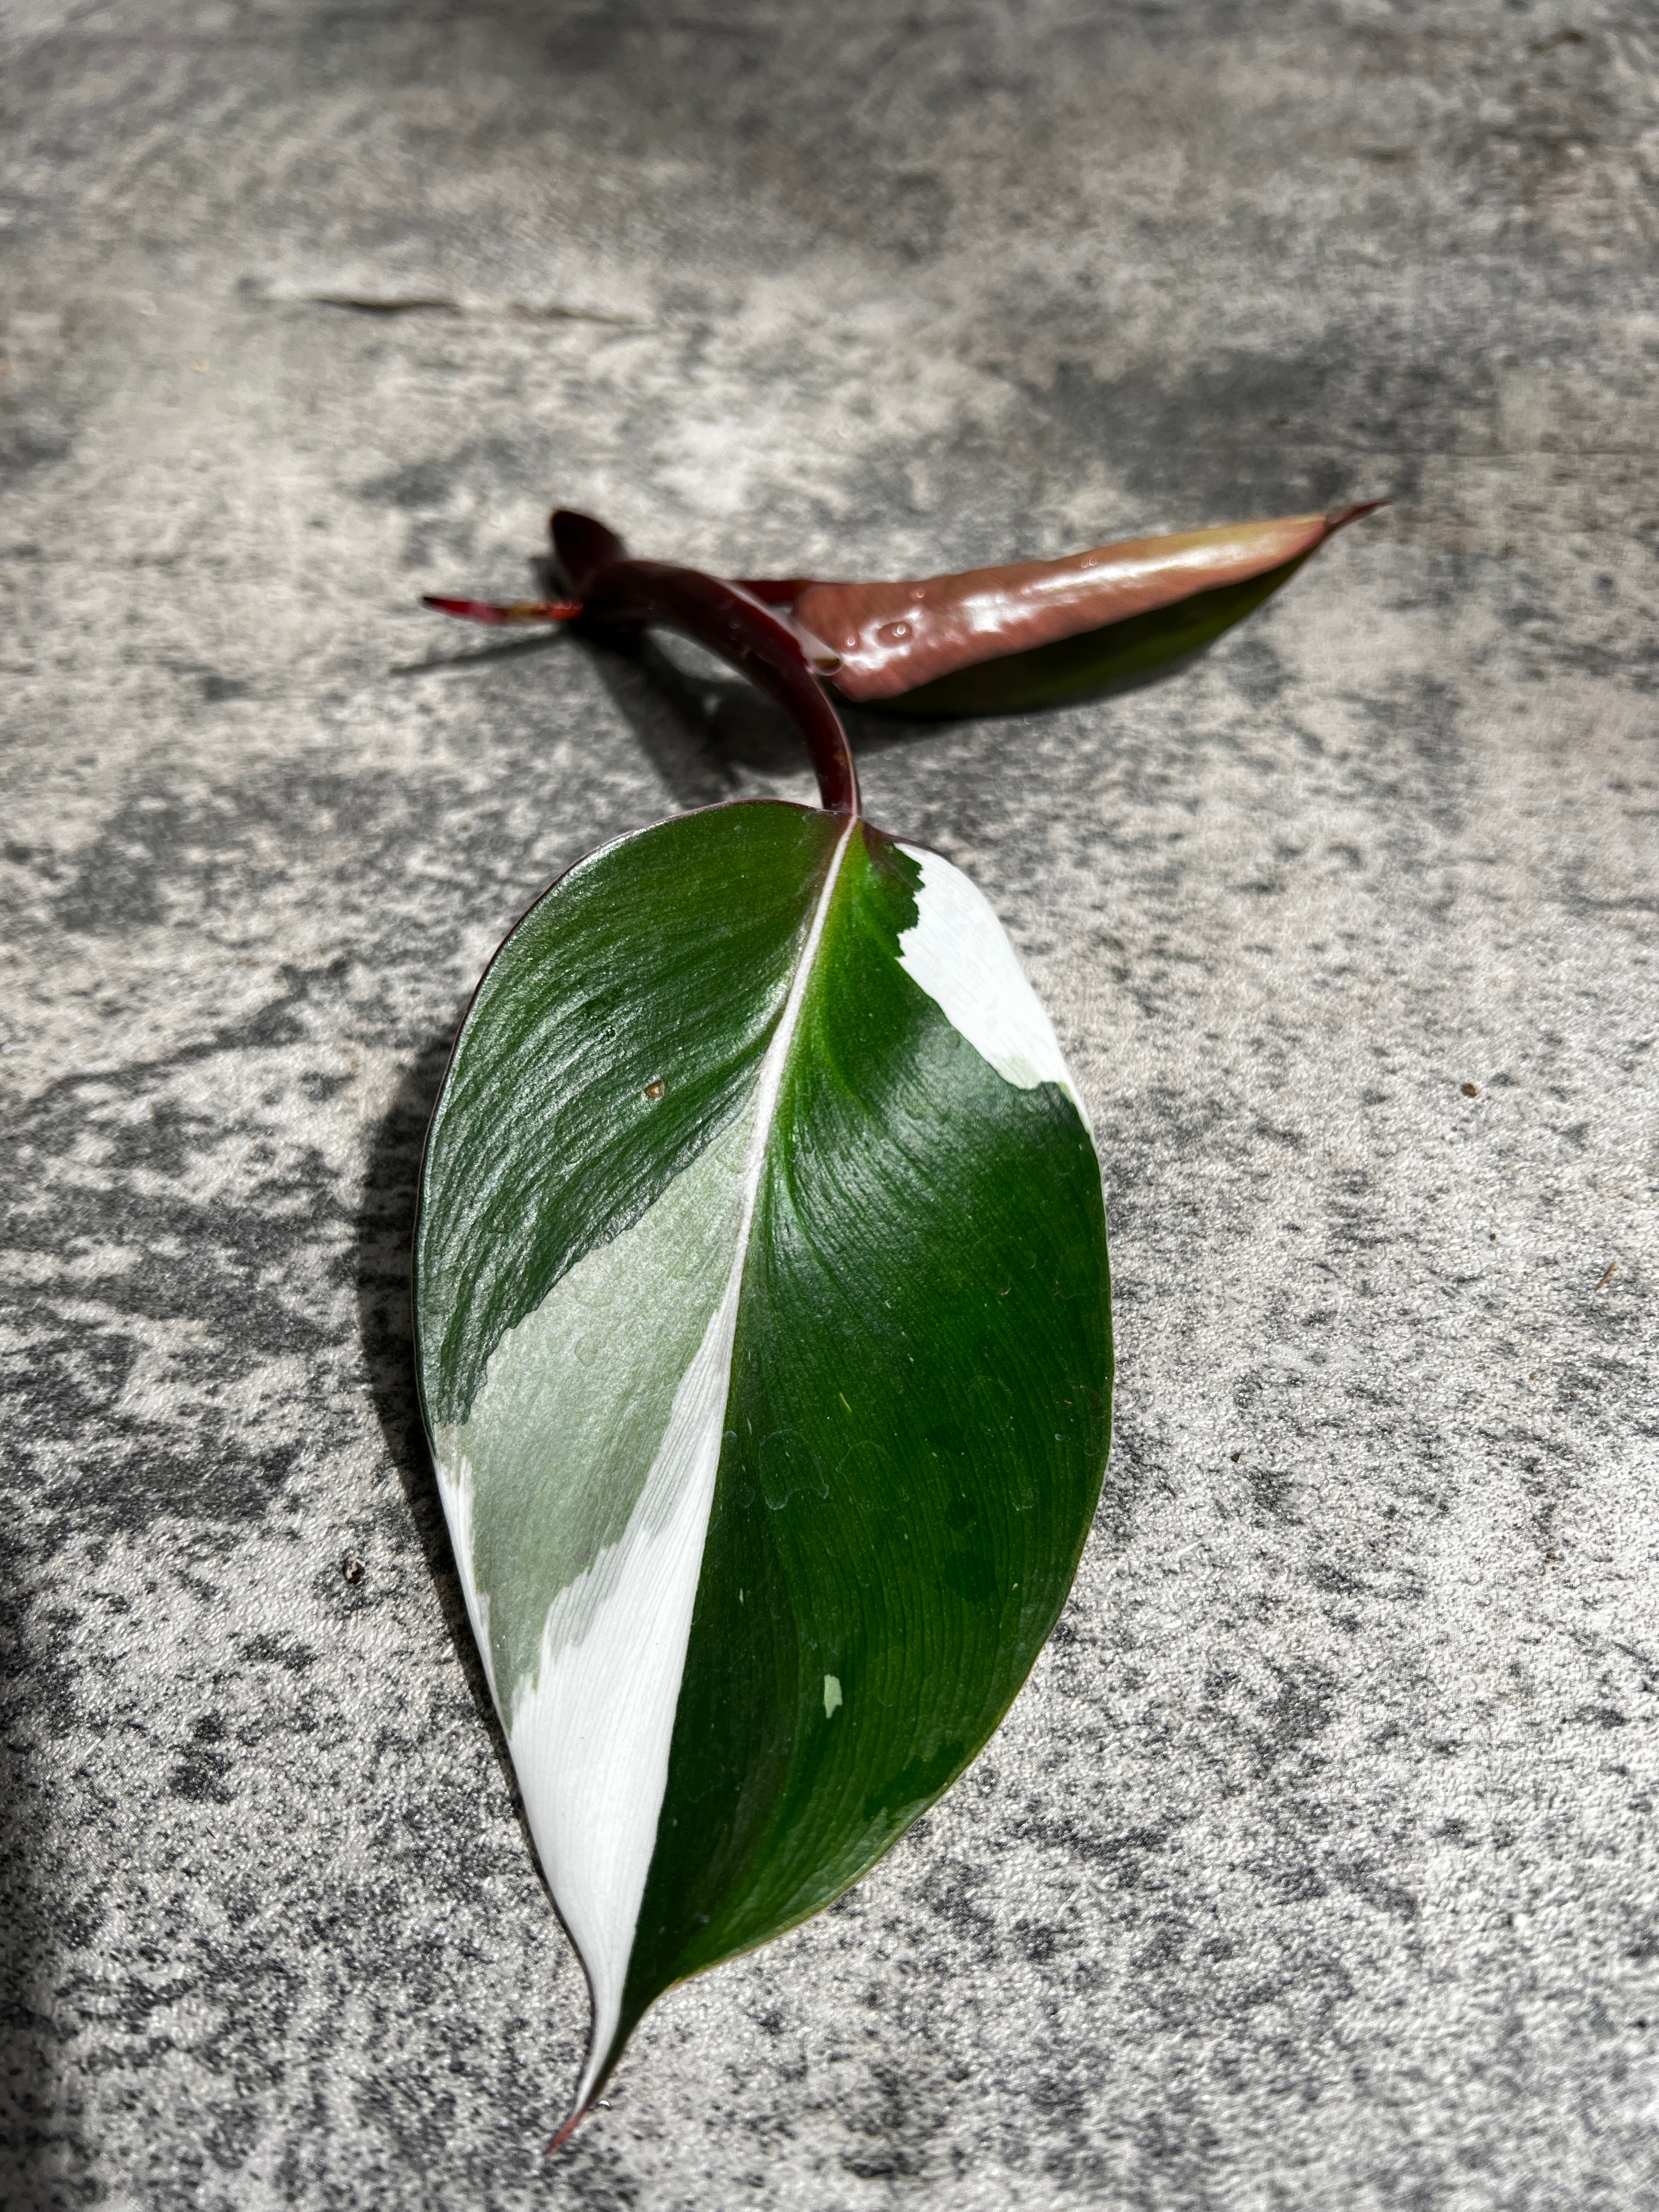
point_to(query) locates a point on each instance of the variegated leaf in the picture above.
(765, 1352)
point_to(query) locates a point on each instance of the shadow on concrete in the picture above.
(33, 2155)
(384, 1244)
(697, 731)
(702, 732)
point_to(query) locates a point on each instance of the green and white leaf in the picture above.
(764, 1346)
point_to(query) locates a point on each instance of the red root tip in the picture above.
(515, 611)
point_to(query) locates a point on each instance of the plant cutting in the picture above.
(762, 1298)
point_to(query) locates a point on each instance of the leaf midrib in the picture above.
(769, 1089)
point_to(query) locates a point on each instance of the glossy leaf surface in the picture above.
(1096, 661)
(1038, 633)
(764, 1347)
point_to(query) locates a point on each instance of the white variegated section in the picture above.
(457, 1488)
(557, 1447)
(959, 953)
(590, 1732)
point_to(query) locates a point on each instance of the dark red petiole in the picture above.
(632, 595)
(616, 594)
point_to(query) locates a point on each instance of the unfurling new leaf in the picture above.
(1038, 633)
(998, 640)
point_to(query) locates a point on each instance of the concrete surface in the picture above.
(1317, 1867)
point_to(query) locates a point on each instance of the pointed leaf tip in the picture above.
(557, 2141)
(1341, 517)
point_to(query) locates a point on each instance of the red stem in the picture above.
(620, 594)
(628, 594)
(611, 592)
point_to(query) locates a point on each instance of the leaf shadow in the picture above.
(700, 726)
(699, 733)
(383, 1246)
(705, 733)
(35, 2144)
(513, 649)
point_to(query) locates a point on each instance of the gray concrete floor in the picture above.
(1315, 1868)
